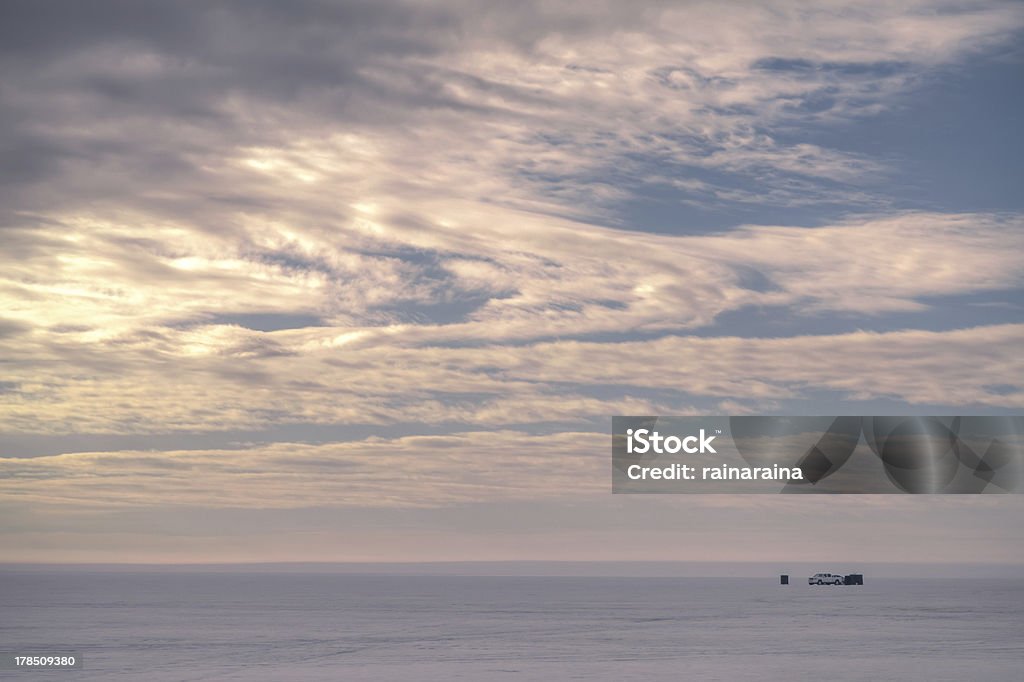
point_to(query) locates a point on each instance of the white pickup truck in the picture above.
(825, 579)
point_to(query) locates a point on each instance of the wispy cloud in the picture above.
(226, 378)
(416, 471)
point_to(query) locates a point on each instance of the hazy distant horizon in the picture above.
(626, 569)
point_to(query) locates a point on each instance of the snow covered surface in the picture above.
(277, 626)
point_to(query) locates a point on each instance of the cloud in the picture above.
(527, 105)
(416, 471)
(169, 169)
(520, 276)
(224, 378)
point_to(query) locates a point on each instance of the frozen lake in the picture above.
(278, 626)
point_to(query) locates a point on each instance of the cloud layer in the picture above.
(438, 216)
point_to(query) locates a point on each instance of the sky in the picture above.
(366, 281)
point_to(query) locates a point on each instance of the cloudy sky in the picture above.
(365, 281)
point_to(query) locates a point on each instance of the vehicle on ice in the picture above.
(825, 579)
